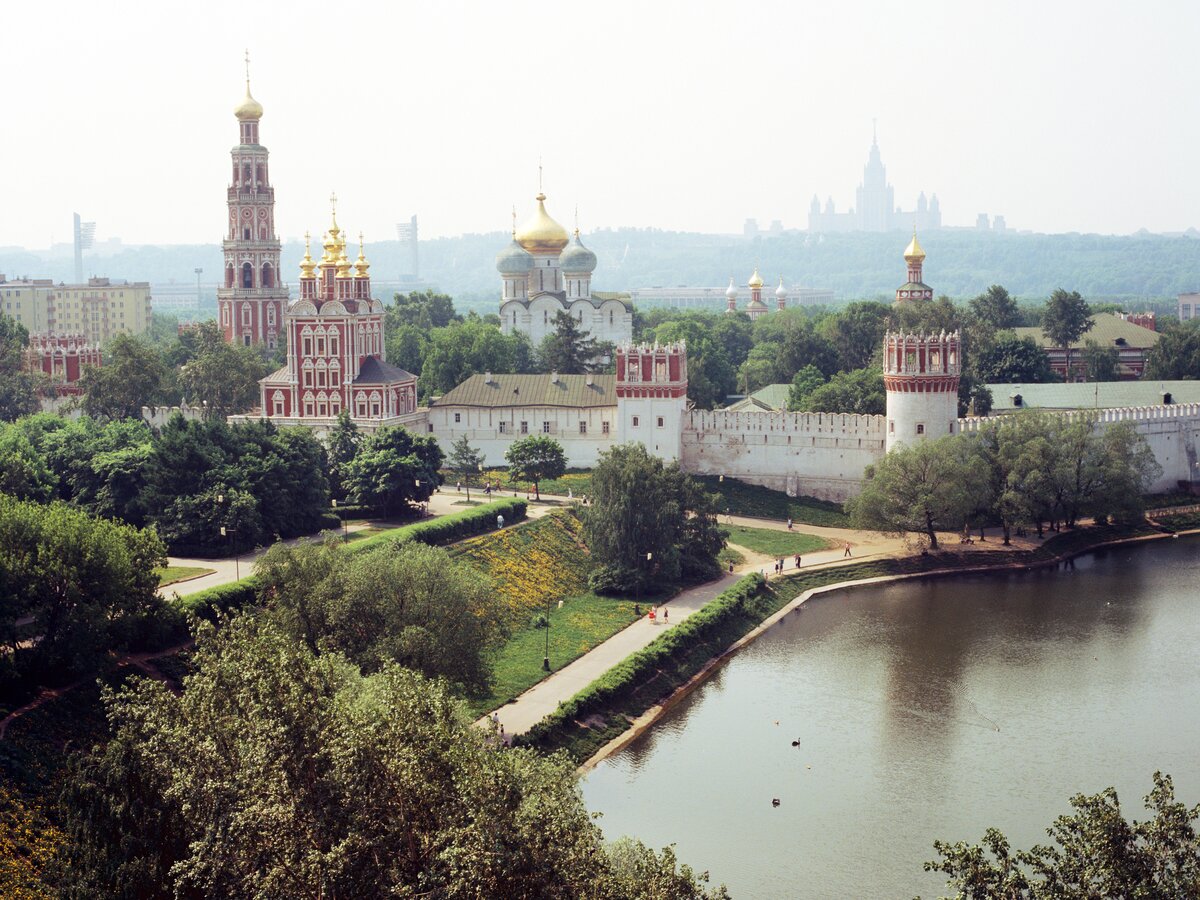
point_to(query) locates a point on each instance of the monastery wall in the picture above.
(816, 454)
(1172, 432)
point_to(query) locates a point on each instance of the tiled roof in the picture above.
(376, 371)
(1092, 395)
(1106, 329)
(532, 390)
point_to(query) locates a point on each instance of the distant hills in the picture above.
(961, 263)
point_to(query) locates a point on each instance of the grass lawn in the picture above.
(467, 503)
(742, 499)
(729, 555)
(775, 543)
(171, 574)
(582, 623)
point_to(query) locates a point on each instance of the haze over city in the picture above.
(693, 117)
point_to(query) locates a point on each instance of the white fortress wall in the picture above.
(817, 454)
(1172, 432)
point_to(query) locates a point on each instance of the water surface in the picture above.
(924, 710)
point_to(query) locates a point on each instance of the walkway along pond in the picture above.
(923, 709)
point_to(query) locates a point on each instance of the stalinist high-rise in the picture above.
(252, 299)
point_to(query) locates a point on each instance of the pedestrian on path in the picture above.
(789, 524)
(731, 567)
(797, 560)
(781, 565)
(499, 521)
(847, 553)
(666, 614)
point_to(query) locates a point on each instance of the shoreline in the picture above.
(651, 716)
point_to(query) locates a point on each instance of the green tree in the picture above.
(857, 333)
(133, 376)
(860, 391)
(393, 469)
(465, 461)
(1176, 355)
(1095, 852)
(409, 604)
(85, 585)
(761, 367)
(277, 772)
(342, 446)
(648, 523)
(407, 346)
(534, 458)
(567, 350)
(18, 388)
(422, 309)
(711, 376)
(1065, 320)
(996, 308)
(1100, 363)
(222, 376)
(917, 488)
(1008, 359)
(467, 348)
(24, 473)
(804, 383)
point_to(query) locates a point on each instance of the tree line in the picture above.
(1027, 470)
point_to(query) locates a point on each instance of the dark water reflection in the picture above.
(924, 710)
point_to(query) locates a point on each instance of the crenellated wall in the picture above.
(816, 454)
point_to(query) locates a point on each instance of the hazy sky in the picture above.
(1062, 116)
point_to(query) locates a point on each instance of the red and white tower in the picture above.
(253, 298)
(652, 395)
(920, 375)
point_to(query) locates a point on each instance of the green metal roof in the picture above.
(1092, 395)
(495, 391)
(768, 397)
(1106, 329)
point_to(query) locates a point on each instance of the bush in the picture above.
(623, 678)
(614, 581)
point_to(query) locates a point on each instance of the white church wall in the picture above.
(584, 433)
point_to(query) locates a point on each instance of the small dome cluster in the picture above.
(514, 259)
(577, 258)
(541, 234)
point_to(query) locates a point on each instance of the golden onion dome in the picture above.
(913, 250)
(343, 264)
(361, 265)
(755, 279)
(540, 232)
(249, 108)
(307, 265)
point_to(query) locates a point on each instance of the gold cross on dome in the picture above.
(247, 66)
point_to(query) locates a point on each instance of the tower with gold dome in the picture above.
(253, 297)
(544, 271)
(914, 288)
(335, 347)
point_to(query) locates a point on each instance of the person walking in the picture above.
(797, 560)
(781, 565)
(666, 614)
(789, 524)
(499, 521)
(847, 553)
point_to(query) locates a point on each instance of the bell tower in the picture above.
(652, 396)
(252, 298)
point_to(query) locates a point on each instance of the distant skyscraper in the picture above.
(85, 234)
(253, 298)
(407, 235)
(875, 209)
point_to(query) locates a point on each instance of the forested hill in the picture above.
(960, 263)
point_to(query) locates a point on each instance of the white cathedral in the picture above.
(545, 272)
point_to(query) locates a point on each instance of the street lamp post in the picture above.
(199, 272)
(345, 530)
(546, 658)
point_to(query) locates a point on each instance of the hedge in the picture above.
(625, 677)
(444, 529)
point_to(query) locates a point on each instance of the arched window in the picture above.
(245, 174)
(271, 314)
(267, 280)
(333, 344)
(247, 275)
(277, 402)
(229, 276)
(245, 313)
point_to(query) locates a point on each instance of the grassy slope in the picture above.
(775, 543)
(533, 567)
(741, 499)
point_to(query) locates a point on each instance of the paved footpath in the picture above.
(227, 570)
